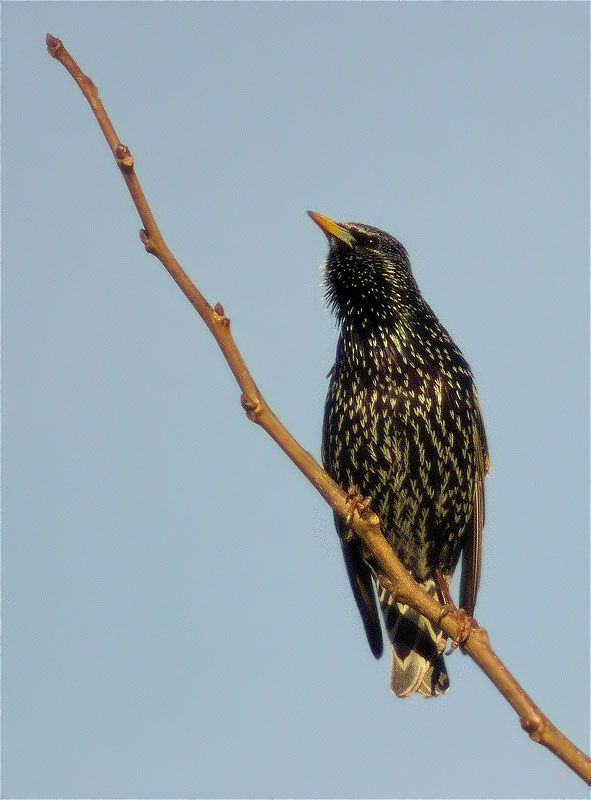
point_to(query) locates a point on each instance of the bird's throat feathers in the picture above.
(373, 307)
(366, 290)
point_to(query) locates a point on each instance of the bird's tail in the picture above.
(417, 648)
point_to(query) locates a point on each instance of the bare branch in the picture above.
(379, 554)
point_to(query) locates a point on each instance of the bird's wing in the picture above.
(362, 588)
(358, 572)
(472, 550)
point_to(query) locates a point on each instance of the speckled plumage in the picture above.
(402, 426)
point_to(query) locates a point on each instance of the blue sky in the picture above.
(176, 617)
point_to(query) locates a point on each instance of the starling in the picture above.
(403, 427)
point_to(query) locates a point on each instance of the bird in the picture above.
(403, 428)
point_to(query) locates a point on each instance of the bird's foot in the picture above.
(467, 625)
(466, 622)
(357, 503)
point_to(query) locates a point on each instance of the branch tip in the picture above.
(53, 44)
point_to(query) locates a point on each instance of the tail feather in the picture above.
(417, 648)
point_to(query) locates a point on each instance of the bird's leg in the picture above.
(443, 587)
(467, 623)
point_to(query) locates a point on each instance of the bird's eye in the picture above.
(366, 240)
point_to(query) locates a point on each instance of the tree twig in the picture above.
(366, 525)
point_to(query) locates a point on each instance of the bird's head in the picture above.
(367, 274)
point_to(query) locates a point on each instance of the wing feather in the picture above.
(472, 550)
(363, 591)
(358, 572)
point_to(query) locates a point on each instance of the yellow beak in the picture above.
(332, 228)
